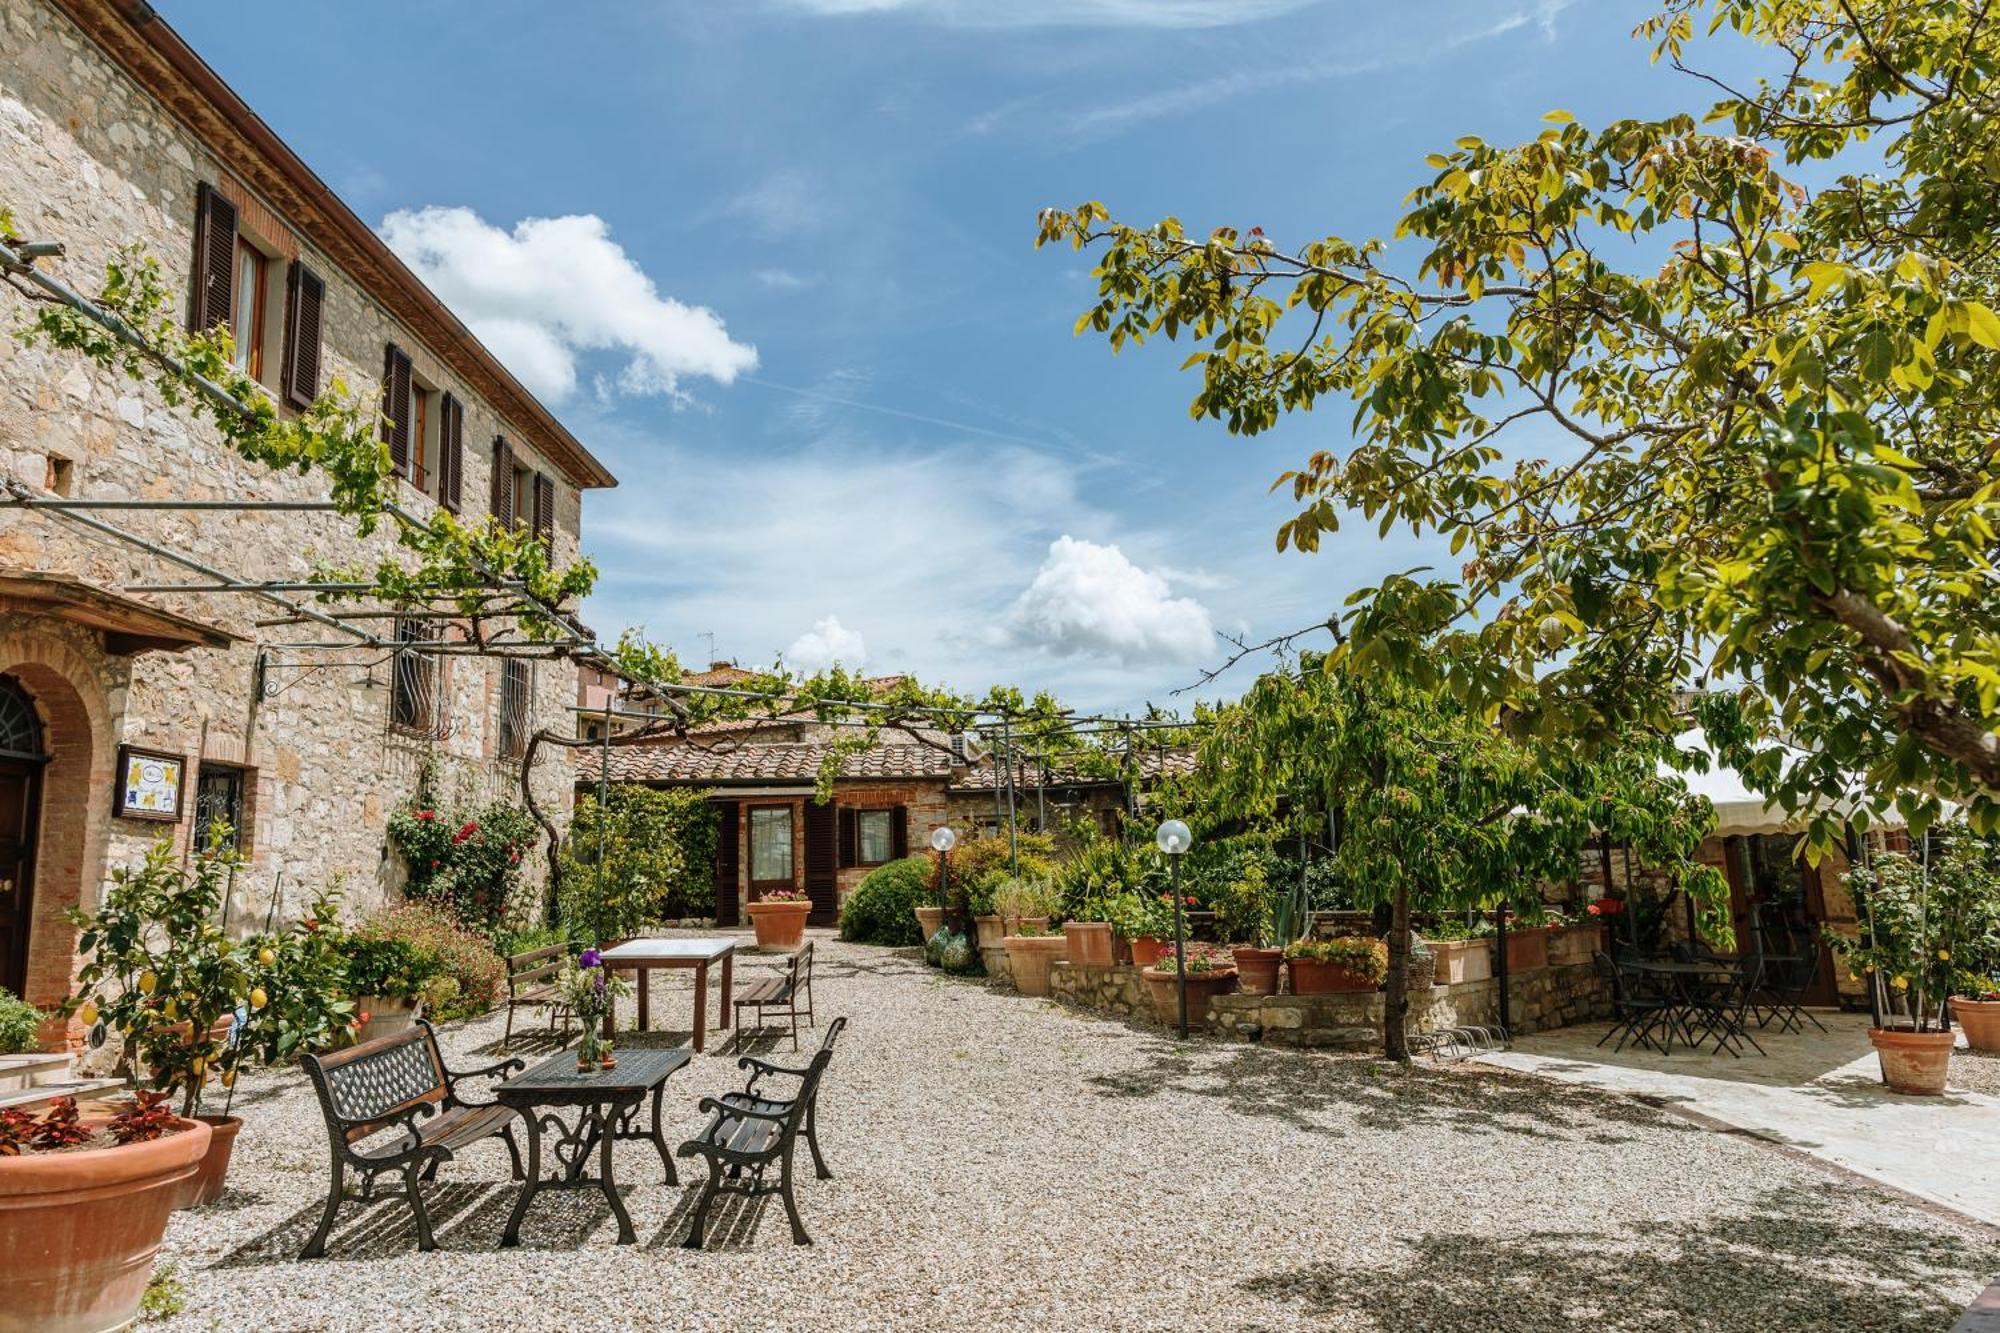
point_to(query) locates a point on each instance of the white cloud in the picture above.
(555, 289)
(1065, 13)
(1091, 600)
(827, 643)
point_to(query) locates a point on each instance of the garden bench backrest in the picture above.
(799, 970)
(364, 1088)
(525, 969)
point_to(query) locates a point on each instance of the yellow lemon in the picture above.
(198, 1067)
(1944, 955)
(147, 981)
(88, 1013)
(173, 1009)
(267, 957)
(257, 997)
(1901, 983)
(228, 1078)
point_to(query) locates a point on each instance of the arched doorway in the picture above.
(22, 758)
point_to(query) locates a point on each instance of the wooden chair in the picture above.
(399, 1081)
(780, 990)
(750, 1133)
(531, 984)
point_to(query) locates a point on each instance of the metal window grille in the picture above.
(218, 796)
(516, 689)
(414, 703)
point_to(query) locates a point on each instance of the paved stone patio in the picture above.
(1006, 1163)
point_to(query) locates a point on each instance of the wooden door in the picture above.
(20, 811)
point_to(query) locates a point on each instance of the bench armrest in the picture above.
(712, 1106)
(452, 1077)
(763, 1067)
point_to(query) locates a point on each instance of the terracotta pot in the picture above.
(209, 1179)
(783, 925)
(1979, 1020)
(1313, 976)
(1146, 950)
(990, 931)
(1460, 961)
(1201, 988)
(1029, 956)
(1089, 943)
(929, 921)
(1913, 1062)
(1570, 945)
(79, 1229)
(386, 1016)
(1527, 949)
(1257, 969)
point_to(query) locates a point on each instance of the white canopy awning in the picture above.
(1739, 810)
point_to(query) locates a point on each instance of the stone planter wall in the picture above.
(997, 966)
(1118, 989)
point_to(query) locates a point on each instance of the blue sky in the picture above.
(792, 299)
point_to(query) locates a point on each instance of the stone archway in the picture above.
(68, 691)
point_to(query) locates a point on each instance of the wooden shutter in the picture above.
(728, 849)
(305, 310)
(899, 830)
(451, 453)
(212, 298)
(822, 873)
(396, 407)
(850, 847)
(503, 481)
(545, 512)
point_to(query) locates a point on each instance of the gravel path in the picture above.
(1004, 1163)
(1976, 1071)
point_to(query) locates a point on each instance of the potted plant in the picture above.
(1031, 948)
(389, 977)
(987, 922)
(1462, 954)
(170, 983)
(1915, 920)
(590, 989)
(1088, 934)
(1573, 940)
(1146, 923)
(1210, 972)
(1527, 943)
(1244, 914)
(84, 1201)
(779, 918)
(1343, 964)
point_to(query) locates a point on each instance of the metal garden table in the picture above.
(607, 1104)
(643, 955)
(1711, 995)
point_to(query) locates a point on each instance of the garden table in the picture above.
(607, 1102)
(1705, 993)
(643, 955)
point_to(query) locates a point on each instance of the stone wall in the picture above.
(1548, 997)
(89, 159)
(1118, 989)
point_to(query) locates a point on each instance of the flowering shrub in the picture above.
(1363, 955)
(462, 957)
(784, 896)
(468, 863)
(1606, 906)
(1202, 960)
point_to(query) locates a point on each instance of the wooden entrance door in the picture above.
(20, 811)
(1777, 904)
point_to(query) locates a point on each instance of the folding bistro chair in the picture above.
(1637, 1009)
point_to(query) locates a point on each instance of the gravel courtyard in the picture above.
(1005, 1163)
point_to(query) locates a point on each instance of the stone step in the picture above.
(39, 1096)
(25, 1071)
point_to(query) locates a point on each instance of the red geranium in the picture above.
(427, 815)
(470, 827)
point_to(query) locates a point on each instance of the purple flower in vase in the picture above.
(600, 983)
(590, 958)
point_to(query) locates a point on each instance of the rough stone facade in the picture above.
(89, 158)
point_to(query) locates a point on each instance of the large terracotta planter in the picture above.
(1257, 969)
(386, 1016)
(1913, 1062)
(990, 931)
(212, 1175)
(1146, 950)
(1460, 961)
(1570, 945)
(1527, 949)
(1089, 943)
(783, 925)
(1029, 957)
(1315, 976)
(1201, 988)
(1979, 1020)
(930, 920)
(79, 1229)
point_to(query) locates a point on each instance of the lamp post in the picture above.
(1174, 839)
(942, 841)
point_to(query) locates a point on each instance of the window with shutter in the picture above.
(451, 453)
(503, 481)
(212, 299)
(545, 512)
(305, 309)
(396, 407)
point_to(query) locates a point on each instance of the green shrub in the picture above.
(19, 1022)
(468, 862)
(659, 861)
(463, 957)
(881, 910)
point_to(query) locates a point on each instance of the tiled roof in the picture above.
(1151, 764)
(694, 766)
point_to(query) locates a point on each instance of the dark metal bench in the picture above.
(750, 1133)
(391, 1082)
(531, 983)
(780, 990)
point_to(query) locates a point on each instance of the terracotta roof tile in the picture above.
(693, 765)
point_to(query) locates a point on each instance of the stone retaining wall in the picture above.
(1118, 989)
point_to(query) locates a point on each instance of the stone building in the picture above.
(113, 132)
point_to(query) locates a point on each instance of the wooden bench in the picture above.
(780, 990)
(399, 1081)
(750, 1133)
(531, 983)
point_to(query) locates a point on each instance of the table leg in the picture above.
(645, 1000)
(728, 987)
(701, 1006)
(610, 1015)
(626, 1236)
(512, 1235)
(660, 1138)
